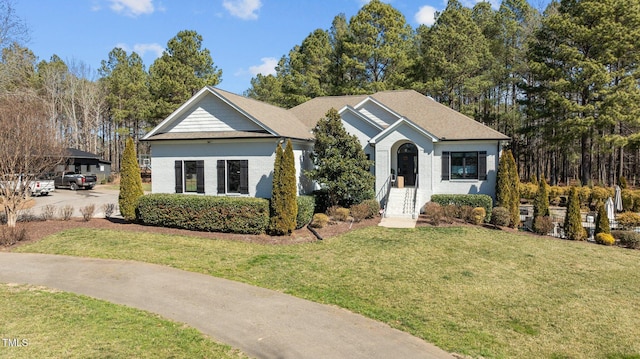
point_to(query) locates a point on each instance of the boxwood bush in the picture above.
(205, 213)
(306, 207)
(472, 200)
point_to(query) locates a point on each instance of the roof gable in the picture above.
(396, 125)
(214, 111)
(433, 118)
(377, 112)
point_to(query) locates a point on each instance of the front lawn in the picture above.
(468, 290)
(41, 323)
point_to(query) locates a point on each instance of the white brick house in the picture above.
(219, 143)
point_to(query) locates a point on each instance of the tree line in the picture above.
(562, 83)
(97, 110)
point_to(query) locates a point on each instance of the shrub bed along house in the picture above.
(205, 213)
(471, 200)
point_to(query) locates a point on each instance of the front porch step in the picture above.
(400, 203)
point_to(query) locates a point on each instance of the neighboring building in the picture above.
(85, 163)
(220, 143)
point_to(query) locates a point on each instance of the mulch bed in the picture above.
(37, 230)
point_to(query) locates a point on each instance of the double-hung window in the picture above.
(464, 165)
(233, 176)
(189, 176)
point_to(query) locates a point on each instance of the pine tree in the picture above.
(130, 182)
(573, 229)
(507, 191)
(602, 220)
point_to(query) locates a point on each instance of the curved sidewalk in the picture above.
(260, 322)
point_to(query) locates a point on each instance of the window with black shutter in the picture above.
(464, 165)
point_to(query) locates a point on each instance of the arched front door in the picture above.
(408, 163)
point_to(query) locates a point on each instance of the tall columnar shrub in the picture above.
(602, 220)
(572, 221)
(507, 191)
(284, 206)
(130, 182)
(541, 202)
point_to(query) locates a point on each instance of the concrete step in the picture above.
(400, 203)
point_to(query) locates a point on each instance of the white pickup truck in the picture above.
(38, 185)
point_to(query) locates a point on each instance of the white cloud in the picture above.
(142, 49)
(132, 7)
(267, 67)
(426, 15)
(244, 9)
(471, 3)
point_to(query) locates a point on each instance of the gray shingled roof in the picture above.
(434, 117)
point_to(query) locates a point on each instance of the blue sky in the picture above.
(245, 37)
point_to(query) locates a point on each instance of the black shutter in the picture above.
(178, 168)
(221, 177)
(244, 177)
(200, 176)
(482, 165)
(445, 166)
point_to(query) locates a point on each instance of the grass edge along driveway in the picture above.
(468, 290)
(46, 323)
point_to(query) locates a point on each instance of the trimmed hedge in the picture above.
(205, 213)
(471, 200)
(306, 207)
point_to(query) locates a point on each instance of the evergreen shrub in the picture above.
(359, 212)
(478, 215)
(627, 239)
(630, 200)
(542, 225)
(584, 193)
(605, 239)
(306, 207)
(341, 214)
(373, 206)
(130, 182)
(628, 220)
(600, 194)
(573, 221)
(541, 201)
(602, 220)
(319, 220)
(528, 190)
(205, 213)
(433, 213)
(472, 200)
(500, 216)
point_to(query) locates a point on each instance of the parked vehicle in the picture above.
(74, 181)
(40, 186)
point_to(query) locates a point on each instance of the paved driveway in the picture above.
(99, 196)
(261, 322)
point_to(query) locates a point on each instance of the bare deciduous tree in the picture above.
(12, 28)
(27, 148)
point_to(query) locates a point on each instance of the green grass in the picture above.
(51, 324)
(146, 186)
(468, 290)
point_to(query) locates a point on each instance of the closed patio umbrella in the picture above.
(608, 206)
(618, 200)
